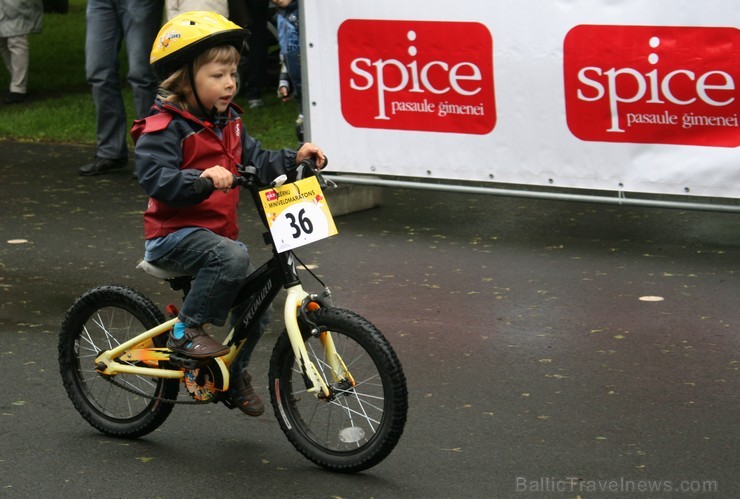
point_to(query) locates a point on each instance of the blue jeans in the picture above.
(290, 46)
(109, 24)
(221, 267)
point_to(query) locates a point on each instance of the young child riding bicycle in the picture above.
(195, 130)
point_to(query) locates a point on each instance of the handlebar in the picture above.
(204, 184)
(248, 178)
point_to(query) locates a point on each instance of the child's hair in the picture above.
(176, 88)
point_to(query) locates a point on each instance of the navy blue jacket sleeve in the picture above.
(270, 163)
(157, 157)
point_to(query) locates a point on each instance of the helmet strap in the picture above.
(213, 115)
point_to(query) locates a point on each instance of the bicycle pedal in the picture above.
(188, 363)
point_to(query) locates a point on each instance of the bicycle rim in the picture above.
(125, 405)
(107, 328)
(359, 425)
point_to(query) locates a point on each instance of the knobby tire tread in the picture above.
(395, 413)
(139, 306)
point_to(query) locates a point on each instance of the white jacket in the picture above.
(20, 17)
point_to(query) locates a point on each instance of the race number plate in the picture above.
(297, 214)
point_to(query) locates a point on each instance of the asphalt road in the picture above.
(535, 366)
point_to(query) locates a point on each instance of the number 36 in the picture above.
(302, 225)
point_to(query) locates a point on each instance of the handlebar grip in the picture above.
(203, 185)
(311, 163)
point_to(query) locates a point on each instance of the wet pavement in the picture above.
(552, 349)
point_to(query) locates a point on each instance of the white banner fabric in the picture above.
(626, 95)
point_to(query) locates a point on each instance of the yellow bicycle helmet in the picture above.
(185, 36)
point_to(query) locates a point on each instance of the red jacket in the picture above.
(173, 147)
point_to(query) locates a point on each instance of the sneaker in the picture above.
(102, 165)
(244, 397)
(196, 343)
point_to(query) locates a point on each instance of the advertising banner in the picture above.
(628, 96)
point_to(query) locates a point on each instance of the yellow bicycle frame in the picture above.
(140, 349)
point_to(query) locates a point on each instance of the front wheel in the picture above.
(357, 426)
(126, 405)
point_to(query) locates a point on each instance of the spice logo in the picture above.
(417, 75)
(653, 84)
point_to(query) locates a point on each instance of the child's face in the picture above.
(215, 83)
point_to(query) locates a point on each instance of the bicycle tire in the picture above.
(359, 427)
(100, 319)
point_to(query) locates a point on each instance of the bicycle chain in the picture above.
(111, 380)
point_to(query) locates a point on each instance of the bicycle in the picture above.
(336, 385)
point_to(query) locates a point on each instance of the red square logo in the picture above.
(653, 84)
(417, 75)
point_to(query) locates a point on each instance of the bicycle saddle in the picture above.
(159, 272)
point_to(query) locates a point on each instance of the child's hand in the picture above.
(309, 150)
(221, 177)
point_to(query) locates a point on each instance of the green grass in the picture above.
(60, 106)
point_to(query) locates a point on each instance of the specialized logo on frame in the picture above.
(653, 84)
(417, 75)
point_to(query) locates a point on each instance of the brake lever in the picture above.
(246, 171)
(324, 182)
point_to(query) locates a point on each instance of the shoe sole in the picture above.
(252, 414)
(187, 353)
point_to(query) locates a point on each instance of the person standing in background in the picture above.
(109, 24)
(252, 15)
(290, 51)
(176, 7)
(18, 18)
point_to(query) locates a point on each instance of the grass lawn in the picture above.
(60, 106)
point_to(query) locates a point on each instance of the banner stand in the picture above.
(618, 198)
(351, 197)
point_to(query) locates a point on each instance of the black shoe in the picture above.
(102, 165)
(14, 98)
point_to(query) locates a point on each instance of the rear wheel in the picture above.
(127, 405)
(357, 426)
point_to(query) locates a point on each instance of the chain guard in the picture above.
(204, 382)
